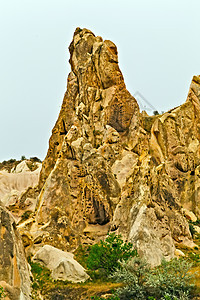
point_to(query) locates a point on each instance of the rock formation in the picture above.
(14, 183)
(111, 168)
(14, 270)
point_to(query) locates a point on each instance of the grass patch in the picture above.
(161, 279)
(56, 289)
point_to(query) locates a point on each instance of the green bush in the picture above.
(194, 257)
(35, 159)
(105, 256)
(41, 276)
(135, 275)
(155, 113)
(183, 296)
(170, 281)
(192, 229)
(2, 294)
(172, 278)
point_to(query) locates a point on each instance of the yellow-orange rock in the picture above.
(14, 270)
(110, 168)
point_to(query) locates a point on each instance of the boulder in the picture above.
(197, 228)
(189, 215)
(62, 264)
(179, 253)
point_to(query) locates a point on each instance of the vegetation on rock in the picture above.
(2, 294)
(109, 166)
(41, 276)
(170, 279)
(12, 163)
(44, 287)
(173, 280)
(105, 256)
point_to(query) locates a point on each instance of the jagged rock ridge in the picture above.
(111, 168)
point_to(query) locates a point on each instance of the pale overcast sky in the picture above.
(158, 44)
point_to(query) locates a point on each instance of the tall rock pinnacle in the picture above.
(110, 168)
(96, 95)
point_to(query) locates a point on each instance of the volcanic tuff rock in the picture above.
(18, 179)
(14, 270)
(111, 168)
(14, 183)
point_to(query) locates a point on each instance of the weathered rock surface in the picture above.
(14, 183)
(179, 253)
(175, 140)
(110, 168)
(14, 269)
(61, 263)
(189, 215)
(18, 180)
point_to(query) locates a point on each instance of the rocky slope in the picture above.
(110, 167)
(15, 178)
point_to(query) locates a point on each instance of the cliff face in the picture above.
(78, 184)
(110, 168)
(14, 270)
(175, 140)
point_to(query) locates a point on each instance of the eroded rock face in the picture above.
(175, 140)
(110, 168)
(14, 270)
(95, 117)
(16, 182)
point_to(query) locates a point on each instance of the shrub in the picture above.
(169, 281)
(155, 113)
(135, 274)
(41, 276)
(197, 222)
(35, 159)
(183, 296)
(192, 229)
(12, 160)
(172, 278)
(81, 255)
(194, 257)
(2, 294)
(105, 256)
(112, 297)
